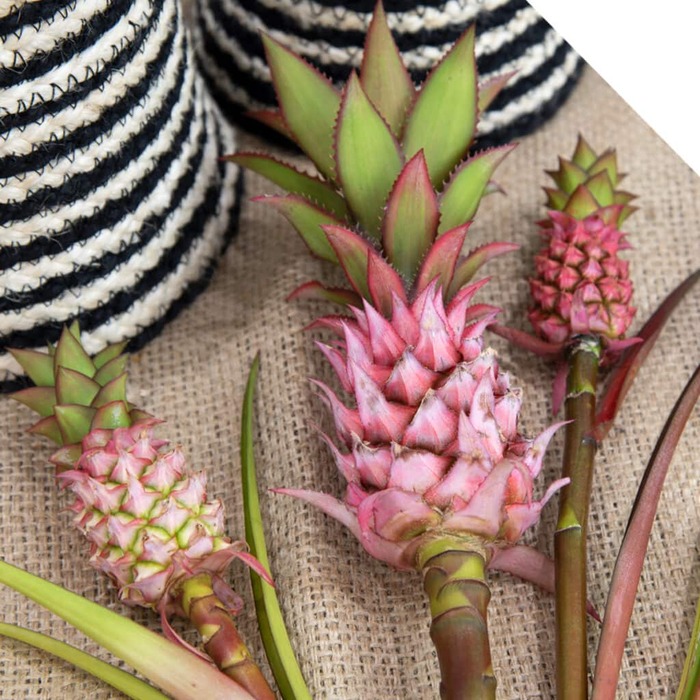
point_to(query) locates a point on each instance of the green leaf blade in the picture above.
(308, 221)
(442, 121)
(411, 219)
(123, 681)
(368, 157)
(308, 102)
(174, 669)
(462, 194)
(294, 181)
(275, 637)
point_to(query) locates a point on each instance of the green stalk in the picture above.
(689, 687)
(221, 638)
(570, 536)
(454, 578)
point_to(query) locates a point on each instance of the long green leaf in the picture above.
(630, 559)
(308, 102)
(443, 118)
(274, 634)
(123, 681)
(367, 156)
(690, 680)
(171, 667)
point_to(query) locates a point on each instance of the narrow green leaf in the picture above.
(75, 387)
(108, 354)
(606, 162)
(443, 118)
(584, 156)
(114, 390)
(602, 189)
(462, 195)
(112, 415)
(125, 682)
(569, 176)
(41, 399)
(308, 102)
(48, 427)
(353, 253)
(315, 291)
(630, 559)
(690, 678)
(171, 667)
(581, 203)
(308, 220)
(468, 266)
(411, 219)
(275, 637)
(37, 365)
(368, 157)
(111, 369)
(441, 260)
(72, 355)
(488, 90)
(273, 119)
(74, 422)
(383, 74)
(556, 198)
(293, 180)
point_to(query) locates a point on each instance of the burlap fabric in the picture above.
(361, 629)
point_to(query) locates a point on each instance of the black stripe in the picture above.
(84, 227)
(262, 91)
(62, 100)
(120, 302)
(93, 28)
(100, 267)
(278, 20)
(545, 70)
(83, 137)
(190, 293)
(34, 12)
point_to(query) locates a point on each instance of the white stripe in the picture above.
(32, 274)
(90, 108)
(33, 39)
(310, 14)
(154, 305)
(109, 142)
(94, 57)
(94, 294)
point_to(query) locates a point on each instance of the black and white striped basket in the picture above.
(114, 206)
(329, 33)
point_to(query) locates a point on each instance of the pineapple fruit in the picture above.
(439, 478)
(144, 512)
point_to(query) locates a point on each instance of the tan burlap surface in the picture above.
(361, 629)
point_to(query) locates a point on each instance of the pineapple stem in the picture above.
(454, 578)
(570, 536)
(221, 639)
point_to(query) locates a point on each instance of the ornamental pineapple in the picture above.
(144, 512)
(581, 286)
(438, 477)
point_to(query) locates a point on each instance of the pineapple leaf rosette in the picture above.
(144, 511)
(439, 478)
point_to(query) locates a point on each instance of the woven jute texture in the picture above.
(360, 628)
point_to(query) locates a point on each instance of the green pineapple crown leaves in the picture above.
(587, 184)
(75, 393)
(394, 170)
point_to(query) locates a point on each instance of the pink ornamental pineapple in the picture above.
(145, 513)
(438, 477)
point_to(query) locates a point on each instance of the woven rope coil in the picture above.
(511, 36)
(114, 206)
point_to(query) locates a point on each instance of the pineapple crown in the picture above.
(76, 393)
(395, 179)
(587, 185)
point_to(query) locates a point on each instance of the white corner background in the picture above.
(649, 52)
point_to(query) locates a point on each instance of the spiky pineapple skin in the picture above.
(144, 512)
(581, 285)
(428, 441)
